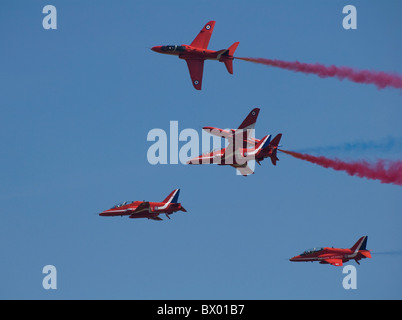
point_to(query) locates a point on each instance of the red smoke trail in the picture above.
(385, 171)
(379, 78)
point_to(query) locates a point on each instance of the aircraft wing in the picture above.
(141, 208)
(248, 124)
(202, 39)
(245, 171)
(196, 68)
(156, 219)
(250, 120)
(244, 132)
(334, 262)
(227, 134)
(237, 141)
(232, 151)
(209, 157)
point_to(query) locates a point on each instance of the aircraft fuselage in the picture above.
(329, 254)
(154, 209)
(188, 52)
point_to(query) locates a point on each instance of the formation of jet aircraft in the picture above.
(335, 256)
(197, 52)
(146, 209)
(242, 147)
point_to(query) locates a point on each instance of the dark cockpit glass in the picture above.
(122, 204)
(173, 48)
(309, 251)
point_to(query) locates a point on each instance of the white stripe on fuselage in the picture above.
(321, 258)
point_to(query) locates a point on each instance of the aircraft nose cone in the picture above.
(156, 49)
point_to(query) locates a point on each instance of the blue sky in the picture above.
(78, 102)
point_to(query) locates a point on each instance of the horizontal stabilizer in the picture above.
(233, 48)
(274, 158)
(366, 253)
(229, 65)
(227, 57)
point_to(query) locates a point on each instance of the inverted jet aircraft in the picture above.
(336, 256)
(146, 209)
(242, 147)
(196, 53)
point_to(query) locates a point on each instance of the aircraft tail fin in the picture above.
(264, 142)
(360, 244)
(173, 197)
(270, 149)
(274, 146)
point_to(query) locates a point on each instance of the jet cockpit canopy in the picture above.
(312, 250)
(173, 48)
(122, 204)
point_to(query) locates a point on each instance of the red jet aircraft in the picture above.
(336, 256)
(242, 147)
(145, 209)
(196, 53)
